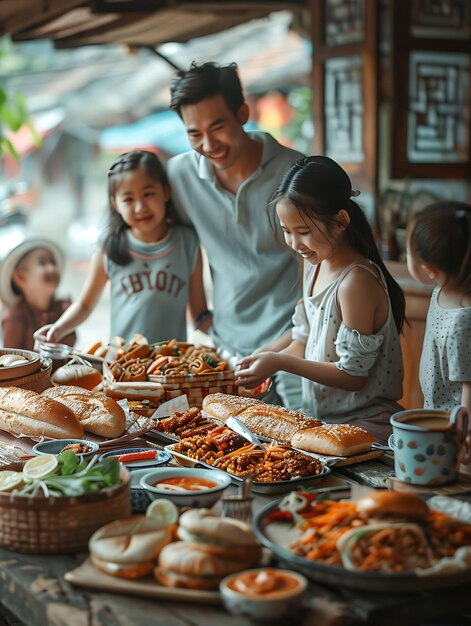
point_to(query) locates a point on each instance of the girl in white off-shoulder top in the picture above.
(345, 339)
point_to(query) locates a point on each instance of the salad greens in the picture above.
(74, 477)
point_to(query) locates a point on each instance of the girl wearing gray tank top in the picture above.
(345, 337)
(141, 230)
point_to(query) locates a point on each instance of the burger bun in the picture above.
(183, 564)
(129, 548)
(221, 536)
(383, 504)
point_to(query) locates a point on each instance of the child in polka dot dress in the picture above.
(345, 340)
(439, 252)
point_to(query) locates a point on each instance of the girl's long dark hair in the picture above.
(441, 236)
(319, 188)
(115, 244)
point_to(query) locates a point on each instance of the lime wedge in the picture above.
(10, 480)
(163, 511)
(40, 467)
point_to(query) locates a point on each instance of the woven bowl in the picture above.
(60, 525)
(18, 371)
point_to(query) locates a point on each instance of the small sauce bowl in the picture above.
(56, 446)
(264, 594)
(205, 497)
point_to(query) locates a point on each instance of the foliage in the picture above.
(13, 114)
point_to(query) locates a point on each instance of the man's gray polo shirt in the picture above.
(255, 276)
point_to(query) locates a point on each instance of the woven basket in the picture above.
(60, 525)
(34, 375)
(196, 387)
(38, 381)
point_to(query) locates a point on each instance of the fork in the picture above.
(239, 505)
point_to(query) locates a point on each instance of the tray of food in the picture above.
(386, 541)
(333, 444)
(276, 468)
(183, 424)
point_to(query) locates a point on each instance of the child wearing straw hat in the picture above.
(29, 276)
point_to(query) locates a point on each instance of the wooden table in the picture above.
(34, 590)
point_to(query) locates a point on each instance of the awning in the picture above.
(162, 131)
(73, 23)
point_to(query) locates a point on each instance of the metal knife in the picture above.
(237, 426)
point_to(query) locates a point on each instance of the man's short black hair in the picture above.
(204, 81)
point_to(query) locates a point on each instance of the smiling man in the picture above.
(222, 187)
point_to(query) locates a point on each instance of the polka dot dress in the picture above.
(446, 355)
(318, 324)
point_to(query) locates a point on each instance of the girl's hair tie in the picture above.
(460, 214)
(354, 193)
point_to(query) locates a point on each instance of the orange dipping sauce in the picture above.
(186, 483)
(266, 583)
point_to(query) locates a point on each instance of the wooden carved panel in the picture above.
(343, 109)
(344, 21)
(440, 18)
(431, 90)
(438, 119)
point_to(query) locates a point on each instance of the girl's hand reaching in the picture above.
(48, 334)
(256, 368)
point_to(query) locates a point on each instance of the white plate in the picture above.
(163, 456)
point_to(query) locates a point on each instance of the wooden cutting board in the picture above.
(87, 576)
(359, 458)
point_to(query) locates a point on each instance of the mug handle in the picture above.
(392, 442)
(460, 419)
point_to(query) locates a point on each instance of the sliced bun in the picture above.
(123, 570)
(383, 503)
(78, 374)
(334, 439)
(137, 539)
(98, 414)
(182, 564)
(25, 412)
(228, 530)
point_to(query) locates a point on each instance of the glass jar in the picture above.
(57, 352)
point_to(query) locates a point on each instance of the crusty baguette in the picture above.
(97, 413)
(25, 412)
(274, 423)
(223, 405)
(267, 420)
(334, 439)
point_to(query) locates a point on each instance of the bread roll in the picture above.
(182, 564)
(97, 413)
(334, 439)
(77, 374)
(25, 412)
(128, 548)
(135, 391)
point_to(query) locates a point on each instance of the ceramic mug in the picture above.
(428, 444)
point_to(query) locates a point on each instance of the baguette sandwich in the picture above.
(25, 412)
